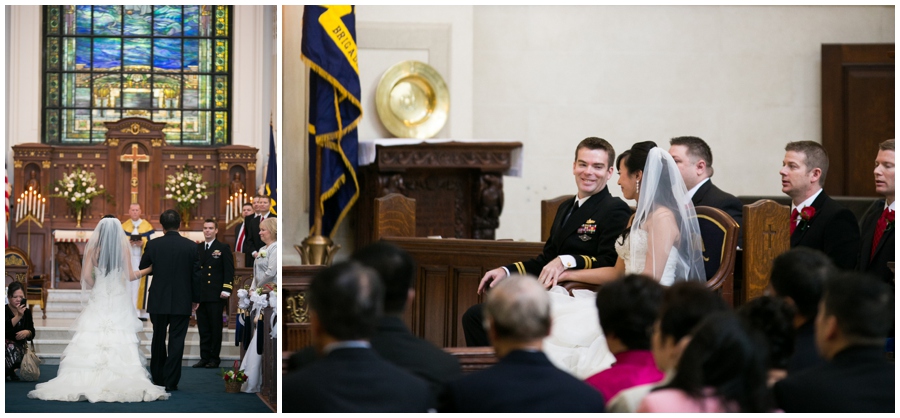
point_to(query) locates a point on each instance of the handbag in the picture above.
(14, 354)
(30, 369)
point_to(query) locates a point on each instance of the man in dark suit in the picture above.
(817, 221)
(877, 246)
(211, 291)
(252, 242)
(798, 277)
(523, 380)
(175, 267)
(240, 234)
(853, 321)
(583, 234)
(392, 340)
(694, 159)
(345, 303)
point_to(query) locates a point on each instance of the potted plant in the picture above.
(78, 188)
(186, 187)
(233, 378)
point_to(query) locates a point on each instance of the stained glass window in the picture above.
(166, 63)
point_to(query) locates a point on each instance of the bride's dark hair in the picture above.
(634, 159)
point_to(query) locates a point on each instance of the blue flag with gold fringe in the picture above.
(329, 48)
(272, 175)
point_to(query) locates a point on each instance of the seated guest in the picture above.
(392, 340)
(852, 323)
(772, 318)
(877, 247)
(517, 318)
(627, 308)
(798, 277)
(722, 369)
(694, 159)
(817, 221)
(684, 305)
(345, 302)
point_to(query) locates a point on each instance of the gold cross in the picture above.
(134, 158)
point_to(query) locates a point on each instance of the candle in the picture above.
(228, 212)
(43, 207)
(18, 209)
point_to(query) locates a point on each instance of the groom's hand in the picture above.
(194, 306)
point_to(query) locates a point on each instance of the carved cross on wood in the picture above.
(770, 236)
(134, 158)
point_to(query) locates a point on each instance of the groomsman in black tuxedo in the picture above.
(175, 269)
(817, 221)
(877, 225)
(694, 160)
(240, 234)
(211, 291)
(252, 242)
(583, 234)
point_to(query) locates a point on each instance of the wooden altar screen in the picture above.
(42, 165)
(458, 186)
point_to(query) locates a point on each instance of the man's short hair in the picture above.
(628, 307)
(684, 305)
(395, 267)
(862, 305)
(697, 149)
(594, 143)
(170, 220)
(816, 157)
(347, 299)
(247, 204)
(212, 221)
(801, 274)
(886, 145)
(520, 309)
(262, 196)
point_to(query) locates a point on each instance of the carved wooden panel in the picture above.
(766, 236)
(294, 315)
(394, 216)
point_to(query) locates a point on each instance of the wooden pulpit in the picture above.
(458, 186)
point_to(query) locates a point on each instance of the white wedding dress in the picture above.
(576, 343)
(103, 362)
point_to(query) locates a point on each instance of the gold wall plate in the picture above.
(412, 100)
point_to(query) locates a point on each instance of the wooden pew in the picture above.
(766, 236)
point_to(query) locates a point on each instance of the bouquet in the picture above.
(186, 187)
(78, 188)
(233, 375)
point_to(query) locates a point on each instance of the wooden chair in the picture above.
(473, 359)
(19, 268)
(394, 216)
(719, 233)
(766, 236)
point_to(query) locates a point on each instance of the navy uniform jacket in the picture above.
(216, 272)
(522, 381)
(832, 230)
(884, 251)
(710, 195)
(589, 235)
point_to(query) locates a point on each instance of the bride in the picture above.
(103, 362)
(662, 241)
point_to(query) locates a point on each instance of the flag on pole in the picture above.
(329, 49)
(272, 175)
(8, 191)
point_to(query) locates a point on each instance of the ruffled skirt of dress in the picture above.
(103, 362)
(576, 343)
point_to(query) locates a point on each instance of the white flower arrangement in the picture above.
(186, 188)
(262, 253)
(78, 188)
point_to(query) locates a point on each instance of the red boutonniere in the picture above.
(805, 215)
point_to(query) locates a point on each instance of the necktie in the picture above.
(879, 231)
(207, 246)
(239, 246)
(794, 214)
(571, 211)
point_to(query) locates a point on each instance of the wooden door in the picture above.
(857, 113)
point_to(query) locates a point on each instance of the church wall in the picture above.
(745, 79)
(252, 90)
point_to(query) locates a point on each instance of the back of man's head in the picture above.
(396, 269)
(519, 308)
(170, 220)
(347, 300)
(628, 307)
(800, 274)
(684, 305)
(863, 307)
(697, 149)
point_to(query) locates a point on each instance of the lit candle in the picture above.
(43, 207)
(28, 202)
(18, 209)
(228, 212)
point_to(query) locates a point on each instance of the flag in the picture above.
(6, 230)
(329, 49)
(272, 175)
